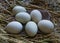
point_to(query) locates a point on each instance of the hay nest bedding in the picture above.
(7, 16)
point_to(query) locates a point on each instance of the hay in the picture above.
(7, 16)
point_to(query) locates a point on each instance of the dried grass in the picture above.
(7, 16)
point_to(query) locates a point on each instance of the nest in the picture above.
(7, 16)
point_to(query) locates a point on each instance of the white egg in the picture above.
(14, 27)
(23, 17)
(31, 28)
(18, 9)
(36, 15)
(46, 26)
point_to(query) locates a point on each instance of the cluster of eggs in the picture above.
(32, 22)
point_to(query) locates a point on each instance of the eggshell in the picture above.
(36, 15)
(14, 27)
(46, 26)
(18, 9)
(23, 17)
(31, 28)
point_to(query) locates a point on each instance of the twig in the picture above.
(7, 2)
(3, 31)
(14, 2)
(14, 39)
(39, 7)
(5, 9)
(4, 34)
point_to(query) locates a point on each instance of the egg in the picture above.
(31, 28)
(36, 15)
(18, 9)
(14, 27)
(23, 17)
(46, 26)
